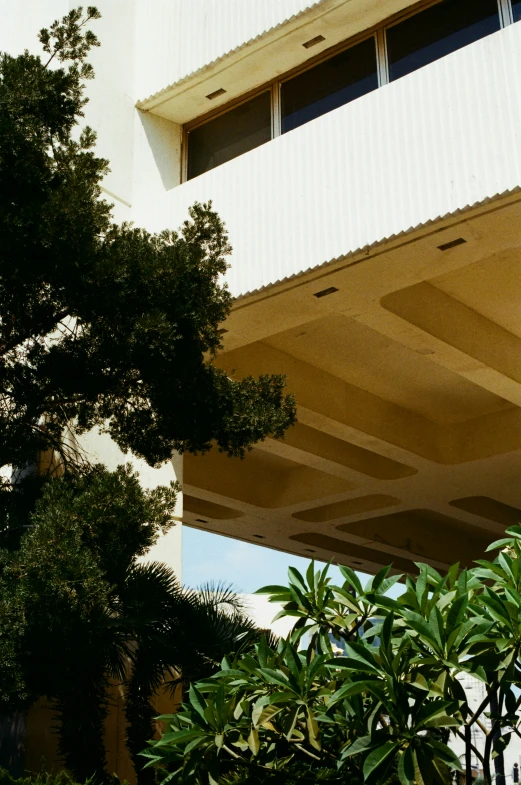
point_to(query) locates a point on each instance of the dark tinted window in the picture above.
(437, 31)
(329, 84)
(516, 7)
(231, 134)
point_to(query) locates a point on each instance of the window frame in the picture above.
(331, 52)
(378, 31)
(212, 115)
(407, 13)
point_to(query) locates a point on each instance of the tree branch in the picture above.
(35, 329)
(472, 747)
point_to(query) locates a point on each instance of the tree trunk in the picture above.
(139, 714)
(499, 761)
(82, 714)
(13, 731)
(468, 756)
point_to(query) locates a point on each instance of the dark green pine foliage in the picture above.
(99, 323)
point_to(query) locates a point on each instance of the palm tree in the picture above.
(152, 634)
(175, 636)
(88, 612)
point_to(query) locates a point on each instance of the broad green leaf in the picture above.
(263, 651)
(297, 580)
(290, 722)
(312, 726)
(431, 709)
(432, 575)
(253, 741)
(406, 767)
(363, 744)
(323, 579)
(263, 714)
(379, 578)
(445, 600)
(350, 663)
(381, 601)
(500, 744)
(442, 721)
(436, 626)
(446, 754)
(357, 688)
(275, 677)
(283, 613)
(293, 662)
(452, 574)
(421, 585)
(388, 583)
(273, 590)
(318, 662)
(421, 683)
(419, 624)
(197, 701)
(310, 575)
(343, 596)
(457, 613)
(496, 607)
(505, 541)
(193, 745)
(351, 578)
(379, 756)
(505, 562)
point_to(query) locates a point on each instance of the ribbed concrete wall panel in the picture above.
(434, 142)
(178, 37)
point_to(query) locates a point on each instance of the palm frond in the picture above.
(221, 595)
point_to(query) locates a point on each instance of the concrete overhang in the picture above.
(268, 56)
(408, 382)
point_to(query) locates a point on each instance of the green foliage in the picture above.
(110, 326)
(42, 778)
(386, 708)
(103, 324)
(77, 608)
(65, 587)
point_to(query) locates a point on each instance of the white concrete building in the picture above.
(365, 156)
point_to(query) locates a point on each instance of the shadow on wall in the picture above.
(41, 742)
(164, 141)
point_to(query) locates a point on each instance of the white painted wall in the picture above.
(21, 21)
(111, 94)
(439, 139)
(262, 612)
(100, 448)
(177, 37)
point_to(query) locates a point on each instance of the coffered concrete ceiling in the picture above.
(408, 383)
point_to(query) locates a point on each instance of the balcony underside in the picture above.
(408, 382)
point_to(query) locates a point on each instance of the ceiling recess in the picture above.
(216, 93)
(313, 41)
(325, 292)
(452, 244)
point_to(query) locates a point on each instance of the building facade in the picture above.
(365, 156)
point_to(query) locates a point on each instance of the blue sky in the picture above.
(210, 557)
